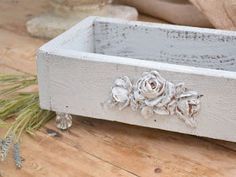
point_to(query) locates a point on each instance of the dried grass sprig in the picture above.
(6, 144)
(16, 155)
(22, 108)
(12, 83)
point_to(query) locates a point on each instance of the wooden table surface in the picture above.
(95, 147)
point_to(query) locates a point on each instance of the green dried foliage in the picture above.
(23, 108)
(11, 83)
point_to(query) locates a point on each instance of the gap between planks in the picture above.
(92, 134)
(50, 157)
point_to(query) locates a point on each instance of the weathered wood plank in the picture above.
(45, 156)
(18, 51)
(8, 70)
(109, 138)
(84, 85)
(148, 152)
(15, 13)
(165, 43)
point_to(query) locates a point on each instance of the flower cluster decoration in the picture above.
(152, 94)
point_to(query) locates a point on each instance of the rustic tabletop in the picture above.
(95, 147)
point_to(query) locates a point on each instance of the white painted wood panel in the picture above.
(80, 38)
(79, 82)
(167, 43)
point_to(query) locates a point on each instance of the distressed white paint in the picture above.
(165, 43)
(152, 94)
(77, 69)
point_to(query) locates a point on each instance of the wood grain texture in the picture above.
(148, 152)
(17, 48)
(119, 150)
(171, 44)
(16, 52)
(142, 151)
(15, 13)
(52, 157)
(83, 86)
(73, 89)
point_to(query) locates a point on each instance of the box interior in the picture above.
(212, 49)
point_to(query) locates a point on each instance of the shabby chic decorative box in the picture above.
(175, 78)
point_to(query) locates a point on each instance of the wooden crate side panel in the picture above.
(83, 86)
(167, 43)
(80, 38)
(83, 37)
(43, 79)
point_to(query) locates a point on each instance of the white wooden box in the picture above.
(77, 71)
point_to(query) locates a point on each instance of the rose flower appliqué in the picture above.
(152, 94)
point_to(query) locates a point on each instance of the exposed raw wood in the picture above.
(17, 49)
(7, 69)
(146, 152)
(175, 11)
(150, 152)
(15, 13)
(83, 86)
(45, 156)
(229, 145)
(221, 13)
(16, 52)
